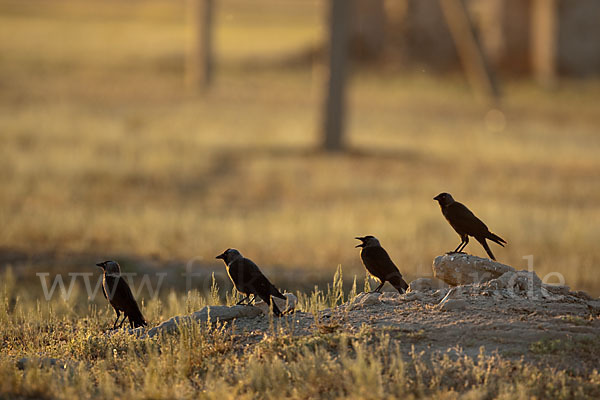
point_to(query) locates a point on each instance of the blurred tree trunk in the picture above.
(544, 41)
(199, 64)
(472, 56)
(337, 69)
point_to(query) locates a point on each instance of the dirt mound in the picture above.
(509, 312)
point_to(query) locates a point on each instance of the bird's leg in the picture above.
(123, 320)
(459, 246)
(465, 243)
(378, 290)
(117, 320)
(242, 300)
(464, 240)
(251, 301)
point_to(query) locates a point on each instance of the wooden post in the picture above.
(337, 70)
(199, 65)
(469, 50)
(544, 27)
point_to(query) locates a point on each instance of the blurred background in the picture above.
(161, 132)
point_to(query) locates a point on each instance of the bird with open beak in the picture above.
(379, 264)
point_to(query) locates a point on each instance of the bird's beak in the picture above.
(437, 197)
(221, 256)
(360, 244)
(101, 265)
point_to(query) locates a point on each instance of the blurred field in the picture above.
(103, 152)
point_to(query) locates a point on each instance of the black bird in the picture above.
(466, 224)
(248, 279)
(119, 295)
(379, 264)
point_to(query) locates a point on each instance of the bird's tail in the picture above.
(399, 283)
(275, 292)
(487, 248)
(496, 239)
(136, 319)
(267, 299)
(276, 310)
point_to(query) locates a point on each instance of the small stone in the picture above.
(420, 285)
(550, 296)
(412, 296)
(524, 281)
(594, 306)
(454, 293)
(283, 305)
(453, 304)
(365, 300)
(44, 362)
(370, 299)
(557, 289)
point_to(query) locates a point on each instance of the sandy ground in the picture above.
(515, 325)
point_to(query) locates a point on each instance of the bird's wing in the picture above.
(464, 221)
(128, 304)
(250, 267)
(378, 263)
(258, 281)
(253, 274)
(123, 298)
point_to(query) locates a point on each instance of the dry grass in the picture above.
(216, 362)
(103, 152)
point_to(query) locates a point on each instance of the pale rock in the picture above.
(463, 269)
(210, 314)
